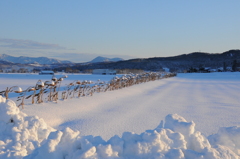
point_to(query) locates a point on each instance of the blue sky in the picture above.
(80, 30)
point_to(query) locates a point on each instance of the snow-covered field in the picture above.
(210, 100)
(26, 80)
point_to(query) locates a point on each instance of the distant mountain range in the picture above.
(4, 58)
(178, 63)
(105, 59)
(31, 60)
(173, 63)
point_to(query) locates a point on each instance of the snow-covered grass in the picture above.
(210, 100)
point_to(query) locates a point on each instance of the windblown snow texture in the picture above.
(29, 137)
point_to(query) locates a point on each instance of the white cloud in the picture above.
(19, 47)
(27, 44)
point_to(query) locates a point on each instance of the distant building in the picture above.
(104, 72)
(7, 69)
(46, 72)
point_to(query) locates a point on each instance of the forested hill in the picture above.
(181, 62)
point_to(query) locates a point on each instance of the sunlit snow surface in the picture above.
(29, 137)
(210, 100)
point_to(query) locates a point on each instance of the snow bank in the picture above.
(19, 133)
(27, 137)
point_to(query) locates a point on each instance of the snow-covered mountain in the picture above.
(105, 59)
(30, 60)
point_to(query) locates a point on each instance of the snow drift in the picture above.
(22, 136)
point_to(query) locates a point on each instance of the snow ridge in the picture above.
(19, 134)
(27, 137)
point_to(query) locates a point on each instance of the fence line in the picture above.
(78, 88)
